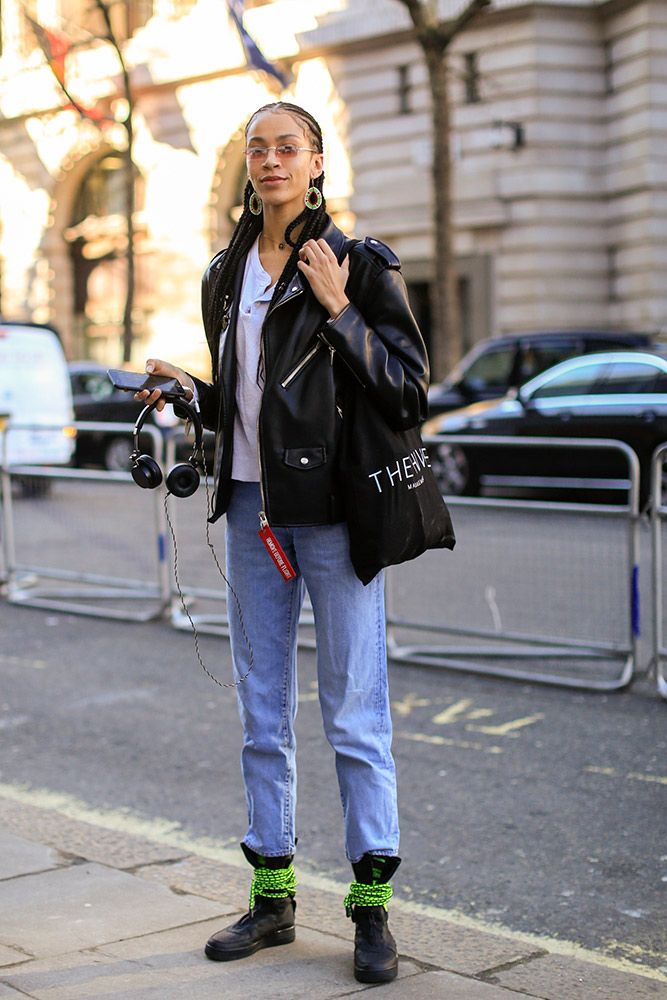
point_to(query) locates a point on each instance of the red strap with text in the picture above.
(275, 551)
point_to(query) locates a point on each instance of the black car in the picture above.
(499, 364)
(95, 399)
(620, 395)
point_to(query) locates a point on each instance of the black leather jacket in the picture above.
(308, 361)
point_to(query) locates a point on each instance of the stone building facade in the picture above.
(63, 232)
(560, 212)
(559, 147)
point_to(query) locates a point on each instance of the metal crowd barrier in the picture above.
(108, 527)
(658, 516)
(572, 614)
(572, 617)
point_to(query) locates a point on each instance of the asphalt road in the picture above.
(534, 807)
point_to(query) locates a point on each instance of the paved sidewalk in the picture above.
(87, 913)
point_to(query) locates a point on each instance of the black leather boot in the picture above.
(270, 917)
(375, 955)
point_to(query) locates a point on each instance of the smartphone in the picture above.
(136, 381)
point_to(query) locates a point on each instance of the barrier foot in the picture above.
(442, 657)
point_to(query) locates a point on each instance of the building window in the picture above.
(608, 68)
(613, 274)
(102, 192)
(404, 89)
(471, 78)
(97, 239)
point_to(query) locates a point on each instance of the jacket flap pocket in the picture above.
(305, 458)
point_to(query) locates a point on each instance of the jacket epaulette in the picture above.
(380, 250)
(217, 260)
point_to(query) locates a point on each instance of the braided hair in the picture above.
(249, 227)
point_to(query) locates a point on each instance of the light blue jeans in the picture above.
(352, 679)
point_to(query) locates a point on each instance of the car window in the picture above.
(536, 358)
(582, 380)
(599, 344)
(96, 385)
(633, 377)
(491, 370)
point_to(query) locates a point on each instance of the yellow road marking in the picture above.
(453, 713)
(410, 701)
(166, 832)
(508, 728)
(463, 709)
(21, 661)
(655, 778)
(443, 741)
(611, 772)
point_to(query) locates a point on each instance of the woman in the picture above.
(294, 312)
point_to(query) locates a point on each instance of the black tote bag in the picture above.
(394, 508)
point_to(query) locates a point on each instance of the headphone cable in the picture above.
(220, 571)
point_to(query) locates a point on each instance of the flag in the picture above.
(54, 46)
(254, 56)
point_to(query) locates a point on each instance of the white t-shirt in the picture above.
(256, 294)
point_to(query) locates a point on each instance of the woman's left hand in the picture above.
(325, 275)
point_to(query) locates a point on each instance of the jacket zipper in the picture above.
(224, 323)
(263, 520)
(332, 351)
(301, 365)
(295, 290)
(263, 517)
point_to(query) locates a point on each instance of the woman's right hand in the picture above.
(154, 366)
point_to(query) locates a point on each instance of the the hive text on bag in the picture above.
(406, 468)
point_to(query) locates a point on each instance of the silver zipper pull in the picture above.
(226, 303)
(263, 520)
(331, 354)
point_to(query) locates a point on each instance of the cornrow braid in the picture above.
(249, 227)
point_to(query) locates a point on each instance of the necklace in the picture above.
(281, 246)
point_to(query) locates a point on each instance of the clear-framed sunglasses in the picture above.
(286, 151)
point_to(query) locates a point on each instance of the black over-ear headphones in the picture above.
(183, 479)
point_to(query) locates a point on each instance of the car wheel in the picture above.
(452, 471)
(663, 478)
(117, 454)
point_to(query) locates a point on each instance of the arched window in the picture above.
(103, 190)
(97, 238)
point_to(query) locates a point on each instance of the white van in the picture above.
(35, 392)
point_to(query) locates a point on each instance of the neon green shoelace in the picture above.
(367, 895)
(274, 883)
